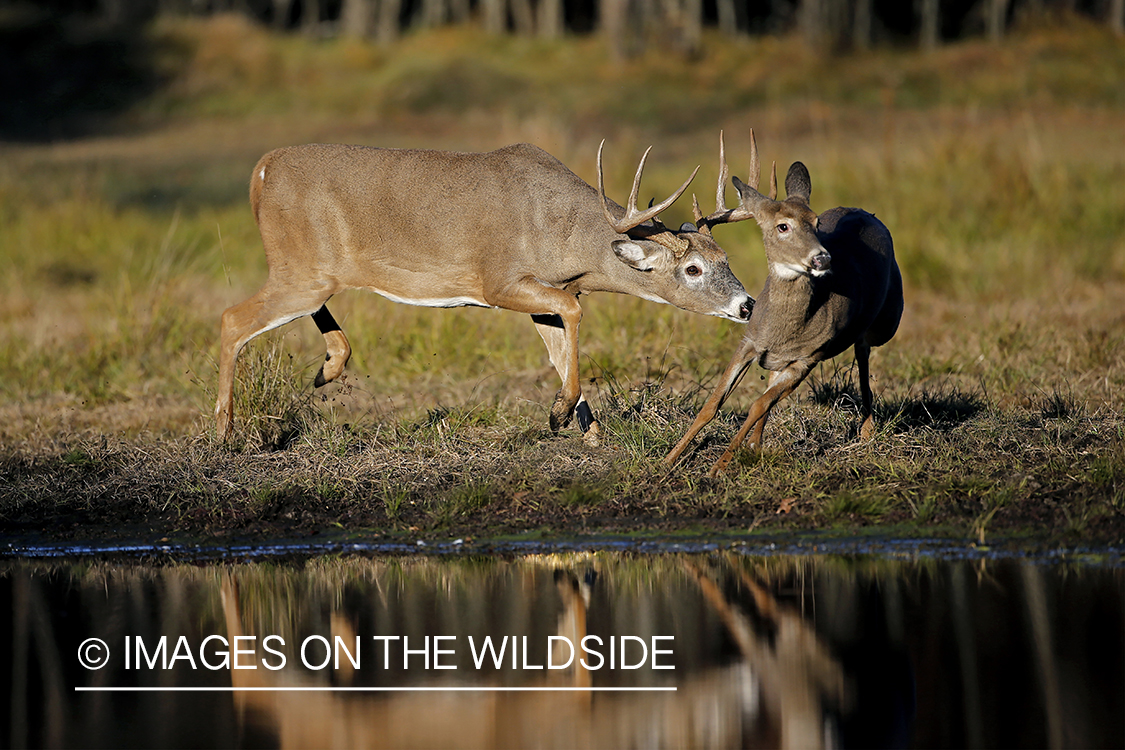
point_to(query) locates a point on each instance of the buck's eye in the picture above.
(693, 270)
(782, 228)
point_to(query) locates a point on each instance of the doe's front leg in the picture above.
(782, 384)
(741, 360)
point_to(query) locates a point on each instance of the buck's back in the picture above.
(366, 205)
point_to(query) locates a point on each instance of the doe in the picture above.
(833, 283)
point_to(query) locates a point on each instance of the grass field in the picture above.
(1000, 170)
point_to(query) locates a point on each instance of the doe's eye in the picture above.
(693, 270)
(782, 228)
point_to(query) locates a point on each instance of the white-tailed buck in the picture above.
(833, 283)
(511, 229)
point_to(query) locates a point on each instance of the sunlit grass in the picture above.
(1000, 171)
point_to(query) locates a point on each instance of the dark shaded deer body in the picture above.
(833, 284)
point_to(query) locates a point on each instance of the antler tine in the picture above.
(601, 187)
(755, 175)
(773, 182)
(724, 173)
(635, 191)
(634, 217)
(724, 215)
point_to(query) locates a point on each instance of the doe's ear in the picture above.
(798, 184)
(636, 255)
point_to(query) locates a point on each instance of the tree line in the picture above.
(831, 25)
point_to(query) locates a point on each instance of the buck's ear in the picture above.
(637, 255)
(798, 184)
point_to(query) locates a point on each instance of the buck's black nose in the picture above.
(746, 308)
(821, 262)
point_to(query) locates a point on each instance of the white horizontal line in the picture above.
(373, 689)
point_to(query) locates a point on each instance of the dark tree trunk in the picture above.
(997, 19)
(523, 17)
(549, 19)
(728, 17)
(930, 34)
(495, 16)
(357, 18)
(861, 25)
(433, 14)
(387, 31)
(310, 16)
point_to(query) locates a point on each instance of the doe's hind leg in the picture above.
(867, 424)
(339, 350)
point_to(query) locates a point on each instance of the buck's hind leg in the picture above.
(339, 350)
(272, 306)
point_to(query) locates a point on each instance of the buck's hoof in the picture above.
(561, 413)
(556, 422)
(331, 369)
(593, 435)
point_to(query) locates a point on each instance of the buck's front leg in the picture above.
(555, 336)
(557, 315)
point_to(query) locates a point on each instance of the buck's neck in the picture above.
(609, 274)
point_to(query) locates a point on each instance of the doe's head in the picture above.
(788, 226)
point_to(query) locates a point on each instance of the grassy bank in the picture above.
(999, 169)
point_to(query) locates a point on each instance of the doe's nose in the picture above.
(821, 262)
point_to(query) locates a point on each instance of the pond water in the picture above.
(708, 648)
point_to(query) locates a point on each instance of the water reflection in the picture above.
(762, 652)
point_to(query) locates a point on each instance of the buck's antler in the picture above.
(634, 217)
